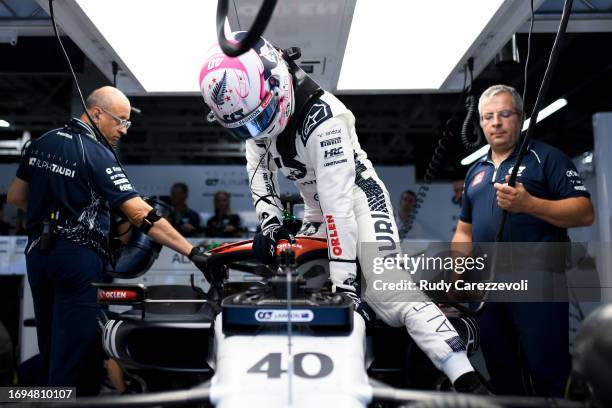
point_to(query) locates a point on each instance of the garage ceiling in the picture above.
(344, 41)
(398, 127)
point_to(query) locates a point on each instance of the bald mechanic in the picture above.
(68, 181)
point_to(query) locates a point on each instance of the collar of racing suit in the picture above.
(306, 92)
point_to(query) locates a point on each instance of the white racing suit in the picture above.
(342, 192)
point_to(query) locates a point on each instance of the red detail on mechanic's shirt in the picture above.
(478, 178)
(332, 233)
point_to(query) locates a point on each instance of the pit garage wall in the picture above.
(437, 215)
(602, 134)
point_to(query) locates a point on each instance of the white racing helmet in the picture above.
(250, 95)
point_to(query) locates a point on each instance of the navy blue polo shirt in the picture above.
(69, 170)
(545, 172)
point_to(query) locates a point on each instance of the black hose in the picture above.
(470, 129)
(471, 126)
(434, 166)
(256, 30)
(554, 55)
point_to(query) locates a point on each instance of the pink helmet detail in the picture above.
(250, 95)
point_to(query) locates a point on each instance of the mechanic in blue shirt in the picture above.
(548, 198)
(68, 181)
(183, 218)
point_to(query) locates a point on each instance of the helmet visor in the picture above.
(254, 123)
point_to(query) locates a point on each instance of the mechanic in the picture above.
(223, 224)
(290, 124)
(548, 198)
(67, 182)
(183, 218)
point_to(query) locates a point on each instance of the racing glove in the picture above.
(360, 306)
(200, 260)
(264, 243)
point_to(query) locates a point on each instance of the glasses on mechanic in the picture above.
(505, 114)
(122, 122)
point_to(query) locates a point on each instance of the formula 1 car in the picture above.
(284, 340)
(202, 333)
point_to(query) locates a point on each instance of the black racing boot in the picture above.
(470, 383)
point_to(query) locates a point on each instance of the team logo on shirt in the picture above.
(520, 170)
(116, 176)
(296, 170)
(317, 114)
(333, 152)
(330, 142)
(478, 179)
(332, 233)
(52, 167)
(574, 178)
(572, 173)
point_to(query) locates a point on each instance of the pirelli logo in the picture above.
(330, 142)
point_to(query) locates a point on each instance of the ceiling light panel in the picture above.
(410, 44)
(161, 42)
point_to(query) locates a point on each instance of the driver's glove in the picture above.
(264, 243)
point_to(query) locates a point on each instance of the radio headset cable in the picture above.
(554, 55)
(472, 136)
(443, 142)
(115, 67)
(552, 61)
(235, 49)
(97, 131)
(273, 194)
(99, 136)
(525, 71)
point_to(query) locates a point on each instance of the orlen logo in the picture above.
(281, 316)
(333, 235)
(117, 294)
(287, 245)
